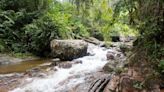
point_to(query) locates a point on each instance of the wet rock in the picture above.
(68, 49)
(56, 60)
(99, 84)
(102, 44)
(54, 69)
(127, 38)
(54, 64)
(10, 81)
(110, 56)
(108, 67)
(112, 85)
(91, 54)
(77, 61)
(130, 82)
(117, 49)
(124, 48)
(41, 75)
(65, 65)
(33, 72)
(118, 55)
(114, 55)
(37, 74)
(40, 71)
(115, 44)
(116, 66)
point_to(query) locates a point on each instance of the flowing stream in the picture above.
(63, 80)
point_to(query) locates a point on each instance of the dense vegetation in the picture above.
(148, 17)
(24, 27)
(29, 26)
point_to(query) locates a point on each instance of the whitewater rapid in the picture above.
(68, 78)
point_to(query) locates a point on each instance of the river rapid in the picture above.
(65, 80)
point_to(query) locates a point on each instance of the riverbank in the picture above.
(13, 58)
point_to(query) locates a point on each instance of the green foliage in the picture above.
(70, 24)
(147, 17)
(30, 25)
(138, 85)
(20, 55)
(2, 46)
(39, 33)
(161, 66)
(29, 5)
(26, 29)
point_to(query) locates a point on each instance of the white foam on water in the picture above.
(61, 79)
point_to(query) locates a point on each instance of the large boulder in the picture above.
(68, 49)
(110, 56)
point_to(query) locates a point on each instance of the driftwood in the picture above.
(89, 39)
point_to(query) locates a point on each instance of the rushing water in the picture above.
(65, 79)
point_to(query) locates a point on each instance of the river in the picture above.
(64, 80)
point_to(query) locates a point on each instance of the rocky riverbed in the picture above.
(77, 75)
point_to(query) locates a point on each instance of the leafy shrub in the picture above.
(24, 28)
(80, 30)
(161, 66)
(39, 34)
(2, 46)
(11, 23)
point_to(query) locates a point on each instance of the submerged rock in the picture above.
(68, 49)
(65, 65)
(78, 61)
